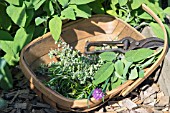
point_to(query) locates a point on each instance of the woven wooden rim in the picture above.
(59, 102)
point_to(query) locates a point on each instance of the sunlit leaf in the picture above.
(68, 13)
(138, 55)
(55, 27)
(103, 73)
(19, 17)
(122, 2)
(133, 74)
(80, 2)
(156, 27)
(108, 56)
(119, 67)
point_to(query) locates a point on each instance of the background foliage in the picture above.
(23, 20)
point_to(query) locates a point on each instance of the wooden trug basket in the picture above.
(96, 28)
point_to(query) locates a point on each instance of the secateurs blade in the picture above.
(124, 45)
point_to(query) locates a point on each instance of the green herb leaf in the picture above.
(97, 7)
(147, 63)
(82, 10)
(103, 73)
(138, 55)
(108, 56)
(136, 4)
(37, 3)
(22, 37)
(5, 21)
(145, 16)
(114, 78)
(141, 73)
(18, 18)
(167, 10)
(48, 7)
(64, 3)
(68, 13)
(116, 84)
(55, 27)
(15, 2)
(133, 74)
(80, 2)
(30, 14)
(122, 2)
(5, 36)
(127, 66)
(40, 20)
(119, 67)
(6, 81)
(156, 27)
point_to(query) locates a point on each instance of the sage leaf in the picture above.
(55, 27)
(64, 3)
(5, 21)
(127, 66)
(37, 3)
(147, 63)
(119, 67)
(103, 73)
(114, 78)
(5, 36)
(48, 7)
(138, 55)
(167, 10)
(83, 11)
(156, 27)
(116, 84)
(145, 16)
(68, 13)
(15, 2)
(40, 20)
(108, 56)
(80, 2)
(30, 14)
(18, 18)
(97, 7)
(141, 73)
(136, 4)
(133, 74)
(122, 2)
(22, 37)
(6, 81)
(118, 75)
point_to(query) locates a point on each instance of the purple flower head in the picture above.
(98, 94)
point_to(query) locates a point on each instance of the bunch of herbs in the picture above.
(77, 76)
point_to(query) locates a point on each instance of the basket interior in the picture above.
(97, 28)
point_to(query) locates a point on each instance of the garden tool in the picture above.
(124, 45)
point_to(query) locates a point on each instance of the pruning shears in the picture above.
(124, 45)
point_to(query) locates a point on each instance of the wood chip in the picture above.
(164, 100)
(120, 110)
(141, 110)
(21, 105)
(41, 105)
(151, 90)
(159, 95)
(150, 99)
(128, 103)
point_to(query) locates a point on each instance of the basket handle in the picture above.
(140, 80)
